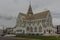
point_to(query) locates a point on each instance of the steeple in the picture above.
(30, 10)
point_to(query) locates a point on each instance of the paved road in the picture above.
(8, 38)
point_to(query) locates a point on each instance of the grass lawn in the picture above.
(39, 37)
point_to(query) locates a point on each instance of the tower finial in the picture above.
(30, 2)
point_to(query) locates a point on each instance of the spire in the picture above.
(30, 9)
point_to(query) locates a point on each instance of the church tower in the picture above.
(30, 12)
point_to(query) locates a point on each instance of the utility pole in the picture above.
(3, 29)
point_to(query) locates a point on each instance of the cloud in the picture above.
(56, 21)
(13, 7)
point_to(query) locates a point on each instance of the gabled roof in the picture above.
(35, 16)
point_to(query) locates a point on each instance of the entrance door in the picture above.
(23, 31)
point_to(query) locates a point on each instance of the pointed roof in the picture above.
(39, 15)
(30, 10)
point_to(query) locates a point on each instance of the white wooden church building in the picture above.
(38, 23)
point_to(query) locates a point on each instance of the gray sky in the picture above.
(13, 7)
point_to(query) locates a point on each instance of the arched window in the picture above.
(27, 29)
(31, 29)
(35, 29)
(40, 29)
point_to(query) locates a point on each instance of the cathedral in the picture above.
(38, 23)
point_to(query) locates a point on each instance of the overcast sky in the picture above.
(13, 7)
